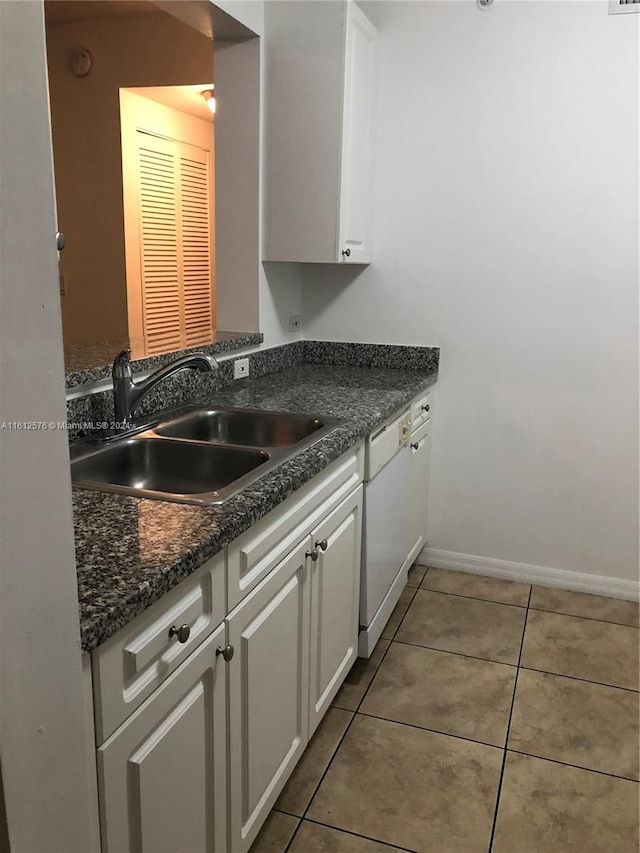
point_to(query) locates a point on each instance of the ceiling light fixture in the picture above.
(210, 98)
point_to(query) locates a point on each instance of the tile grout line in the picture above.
(529, 606)
(577, 678)
(320, 781)
(335, 752)
(518, 666)
(506, 739)
(391, 639)
(445, 734)
(357, 835)
(574, 766)
(471, 597)
(425, 729)
(459, 654)
(588, 618)
(373, 677)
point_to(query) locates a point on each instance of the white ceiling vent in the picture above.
(618, 7)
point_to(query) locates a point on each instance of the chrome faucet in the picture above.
(128, 394)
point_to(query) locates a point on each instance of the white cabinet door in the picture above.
(335, 588)
(268, 693)
(419, 489)
(320, 87)
(162, 774)
(358, 134)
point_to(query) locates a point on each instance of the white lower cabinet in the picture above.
(268, 693)
(162, 775)
(198, 765)
(335, 595)
(295, 638)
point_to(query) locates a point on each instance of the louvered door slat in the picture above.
(168, 191)
(159, 246)
(196, 246)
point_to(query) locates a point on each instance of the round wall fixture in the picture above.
(81, 61)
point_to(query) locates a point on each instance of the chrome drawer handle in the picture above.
(313, 554)
(415, 445)
(425, 408)
(227, 652)
(182, 633)
(323, 545)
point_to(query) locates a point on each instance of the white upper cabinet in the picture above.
(319, 132)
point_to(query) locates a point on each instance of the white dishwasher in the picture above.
(384, 542)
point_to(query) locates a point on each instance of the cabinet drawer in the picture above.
(136, 660)
(421, 409)
(253, 555)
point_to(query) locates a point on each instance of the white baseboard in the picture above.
(540, 575)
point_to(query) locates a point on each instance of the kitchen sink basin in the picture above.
(194, 455)
(149, 467)
(242, 426)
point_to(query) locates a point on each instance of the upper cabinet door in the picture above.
(320, 76)
(358, 134)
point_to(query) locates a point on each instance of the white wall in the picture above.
(280, 285)
(43, 750)
(507, 233)
(280, 298)
(250, 13)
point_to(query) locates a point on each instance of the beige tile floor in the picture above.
(492, 716)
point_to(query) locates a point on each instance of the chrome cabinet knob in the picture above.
(313, 554)
(60, 241)
(415, 445)
(182, 633)
(323, 545)
(227, 652)
(425, 408)
(346, 253)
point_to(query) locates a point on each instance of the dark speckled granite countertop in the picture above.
(131, 551)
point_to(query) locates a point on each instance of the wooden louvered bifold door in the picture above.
(175, 243)
(196, 247)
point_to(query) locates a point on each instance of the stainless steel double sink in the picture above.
(195, 455)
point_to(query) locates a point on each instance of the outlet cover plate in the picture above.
(240, 368)
(295, 323)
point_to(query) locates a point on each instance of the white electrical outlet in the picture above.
(240, 368)
(295, 323)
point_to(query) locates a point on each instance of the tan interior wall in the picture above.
(142, 50)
